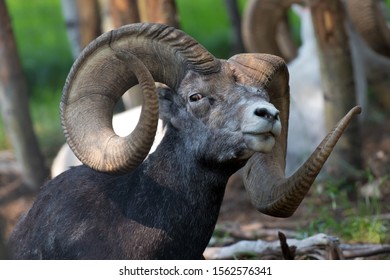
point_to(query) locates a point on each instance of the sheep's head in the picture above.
(244, 99)
(221, 119)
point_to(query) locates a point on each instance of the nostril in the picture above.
(266, 114)
(262, 112)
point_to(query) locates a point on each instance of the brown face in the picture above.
(224, 105)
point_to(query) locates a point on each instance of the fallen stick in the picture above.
(364, 250)
(320, 246)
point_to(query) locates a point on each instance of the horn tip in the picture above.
(356, 110)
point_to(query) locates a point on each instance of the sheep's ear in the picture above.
(170, 111)
(168, 108)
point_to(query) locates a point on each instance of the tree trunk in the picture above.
(124, 12)
(337, 79)
(235, 26)
(89, 21)
(82, 18)
(3, 249)
(71, 18)
(15, 109)
(158, 11)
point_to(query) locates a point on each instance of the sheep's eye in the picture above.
(196, 97)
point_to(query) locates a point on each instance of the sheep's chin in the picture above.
(262, 143)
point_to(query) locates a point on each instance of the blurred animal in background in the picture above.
(306, 123)
(369, 30)
(369, 41)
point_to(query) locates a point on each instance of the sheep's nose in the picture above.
(270, 114)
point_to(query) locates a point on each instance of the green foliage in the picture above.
(43, 46)
(295, 25)
(4, 141)
(40, 33)
(352, 221)
(207, 21)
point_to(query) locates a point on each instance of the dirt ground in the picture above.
(238, 217)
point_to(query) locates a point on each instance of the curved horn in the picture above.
(105, 70)
(371, 24)
(262, 22)
(278, 196)
(264, 178)
(269, 72)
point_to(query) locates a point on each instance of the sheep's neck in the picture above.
(175, 166)
(188, 195)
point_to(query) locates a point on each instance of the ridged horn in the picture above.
(269, 72)
(108, 67)
(262, 23)
(264, 174)
(371, 24)
(279, 196)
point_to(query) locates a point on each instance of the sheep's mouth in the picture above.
(259, 134)
(269, 131)
(263, 134)
(260, 142)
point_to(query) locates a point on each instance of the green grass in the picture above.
(353, 221)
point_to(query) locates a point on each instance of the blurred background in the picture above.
(355, 207)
